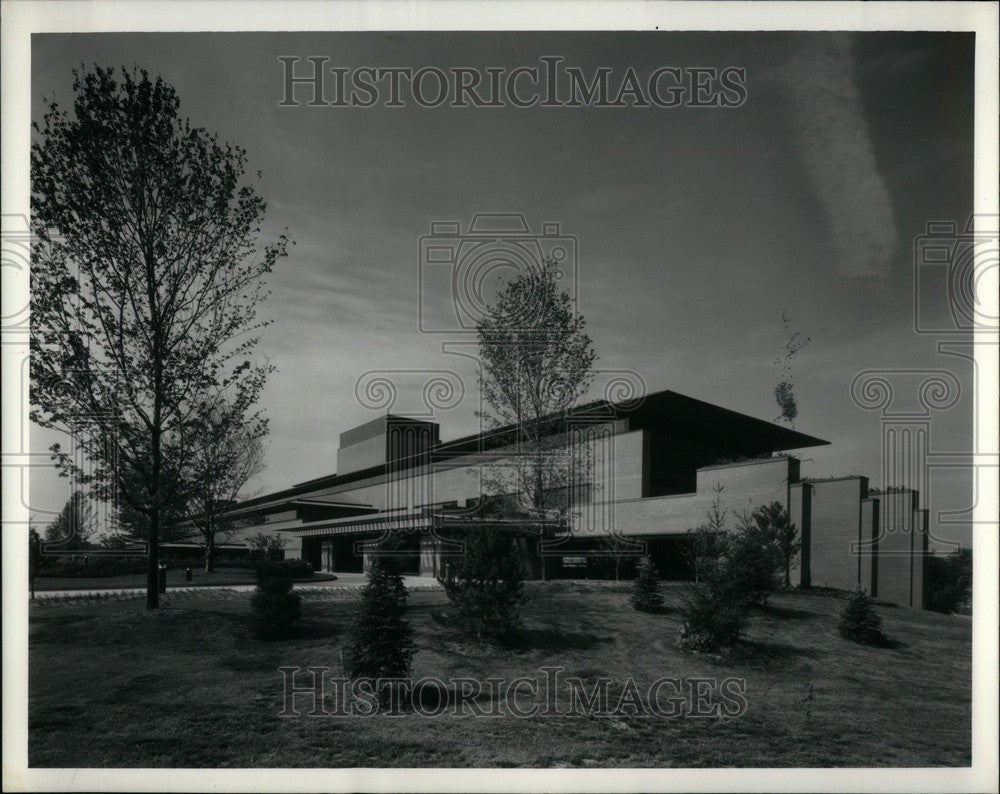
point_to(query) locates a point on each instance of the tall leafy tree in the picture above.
(536, 362)
(146, 279)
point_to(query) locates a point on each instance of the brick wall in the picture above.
(835, 525)
(745, 486)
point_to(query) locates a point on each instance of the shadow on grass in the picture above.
(661, 610)
(248, 662)
(883, 642)
(546, 639)
(773, 610)
(316, 629)
(307, 629)
(760, 651)
(553, 640)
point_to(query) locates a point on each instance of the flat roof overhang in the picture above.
(421, 521)
(664, 412)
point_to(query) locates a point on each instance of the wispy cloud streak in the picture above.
(840, 158)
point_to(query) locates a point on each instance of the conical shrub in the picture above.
(485, 586)
(859, 622)
(380, 641)
(274, 607)
(646, 590)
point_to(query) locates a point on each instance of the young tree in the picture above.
(485, 585)
(380, 641)
(146, 279)
(734, 571)
(274, 606)
(774, 523)
(706, 544)
(714, 605)
(230, 454)
(536, 362)
(713, 614)
(621, 554)
(646, 595)
(72, 528)
(784, 392)
(859, 622)
(752, 563)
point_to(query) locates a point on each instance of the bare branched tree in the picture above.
(536, 362)
(227, 459)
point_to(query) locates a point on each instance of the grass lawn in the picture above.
(114, 685)
(175, 578)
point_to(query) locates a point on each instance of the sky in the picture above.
(696, 228)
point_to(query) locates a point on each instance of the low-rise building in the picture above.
(656, 468)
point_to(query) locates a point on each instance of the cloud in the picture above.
(839, 156)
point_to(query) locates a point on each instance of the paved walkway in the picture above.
(343, 583)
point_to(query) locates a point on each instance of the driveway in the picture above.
(344, 581)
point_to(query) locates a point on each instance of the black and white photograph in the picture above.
(444, 396)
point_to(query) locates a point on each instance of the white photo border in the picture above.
(22, 18)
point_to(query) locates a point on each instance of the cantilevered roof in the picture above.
(665, 413)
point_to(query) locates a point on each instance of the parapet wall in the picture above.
(835, 519)
(743, 487)
(900, 549)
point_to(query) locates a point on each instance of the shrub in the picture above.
(714, 616)
(274, 607)
(948, 581)
(266, 548)
(485, 586)
(234, 560)
(298, 569)
(733, 571)
(752, 564)
(646, 590)
(380, 642)
(774, 528)
(859, 622)
(85, 566)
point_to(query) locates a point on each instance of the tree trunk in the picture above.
(153, 577)
(539, 506)
(153, 571)
(210, 555)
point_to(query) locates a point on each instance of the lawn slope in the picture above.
(114, 685)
